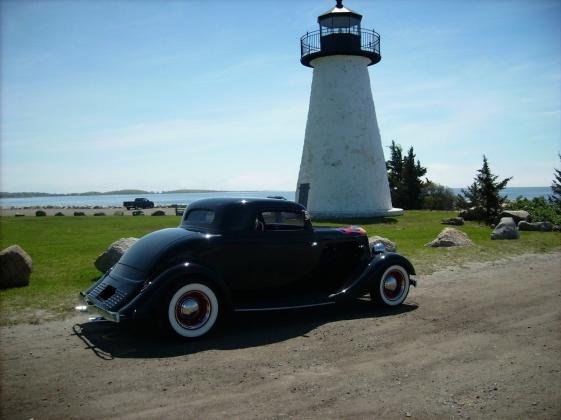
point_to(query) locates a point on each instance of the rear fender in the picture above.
(373, 271)
(156, 290)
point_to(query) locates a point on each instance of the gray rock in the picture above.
(390, 246)
(112, 254)
(159, 213)
(450, 237)
(506, 229)
(537, 226)
(40, 213)
(517, 215)
(455, 221)
(15, 267)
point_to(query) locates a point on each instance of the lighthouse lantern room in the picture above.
(342, 171)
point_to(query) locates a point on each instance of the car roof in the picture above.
(222, 203)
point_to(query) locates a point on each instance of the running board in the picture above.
(282, 308)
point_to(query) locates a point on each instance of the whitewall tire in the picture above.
(192, 310)
(392, 288)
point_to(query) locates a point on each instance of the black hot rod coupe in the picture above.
(245, 255)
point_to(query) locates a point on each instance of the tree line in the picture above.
(410, 191)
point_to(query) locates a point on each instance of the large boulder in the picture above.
(390, 246)
(450, 237)
(517, 215)
(112, 254)
(538, 226)
(15, 267)
(454, 221)
(506, 229)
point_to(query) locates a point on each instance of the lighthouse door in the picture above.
(303, 194)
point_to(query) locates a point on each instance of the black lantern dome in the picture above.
(340, 33)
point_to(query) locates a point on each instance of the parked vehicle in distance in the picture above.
(231, 254)
(139, 203)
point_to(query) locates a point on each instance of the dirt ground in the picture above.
(478, 341)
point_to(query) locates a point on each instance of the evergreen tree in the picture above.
(412, 183)
(485, 192)
(555, 199)
(394, 167)
(404, 177)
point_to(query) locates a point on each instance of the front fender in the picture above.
(155, 290)
(372, 271)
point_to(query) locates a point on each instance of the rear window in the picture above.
(200, 216)
(282, 220)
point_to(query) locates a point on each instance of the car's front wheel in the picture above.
(392, 287)
(192, 310)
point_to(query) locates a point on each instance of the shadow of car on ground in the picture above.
(241, 330)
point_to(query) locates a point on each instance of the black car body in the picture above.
(245, 255)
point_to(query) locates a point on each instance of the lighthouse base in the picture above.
(334, 215)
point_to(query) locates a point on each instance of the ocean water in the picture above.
(187, 198)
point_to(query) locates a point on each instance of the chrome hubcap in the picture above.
(189, 307)
(390, 284)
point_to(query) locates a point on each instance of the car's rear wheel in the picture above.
(192, 310)
(392, 287)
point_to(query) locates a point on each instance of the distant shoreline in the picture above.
(180, 191)
(90, 193)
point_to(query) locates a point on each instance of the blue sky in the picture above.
(156, 95)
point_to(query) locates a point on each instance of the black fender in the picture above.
(375, 268)
(155, 290)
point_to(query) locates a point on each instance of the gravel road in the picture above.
(478, 341)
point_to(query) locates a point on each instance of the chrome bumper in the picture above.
(93, 309)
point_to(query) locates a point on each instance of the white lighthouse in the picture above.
(343, 170)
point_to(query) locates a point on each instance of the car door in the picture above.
(284, 253)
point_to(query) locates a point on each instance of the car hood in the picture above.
(145, 252)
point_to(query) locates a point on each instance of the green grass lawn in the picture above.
(63, 250)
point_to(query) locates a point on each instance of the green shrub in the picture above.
(79, 213)
(539, 209)
(99, 214)
(138, 213)
(59, 213)
(40, 213)
(159, 213)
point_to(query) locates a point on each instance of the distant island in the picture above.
(117, 192)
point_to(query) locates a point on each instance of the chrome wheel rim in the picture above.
(192, 309)
(393, 285)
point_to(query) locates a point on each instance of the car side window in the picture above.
(281, 220)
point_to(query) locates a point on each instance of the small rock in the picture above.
(15, 267)
(517, 215)
(536, 226)
(113, 254)
(506, 229)
(454, 221)
(450, 237)
(390, 246)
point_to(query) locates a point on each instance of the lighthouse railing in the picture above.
(310, 43)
